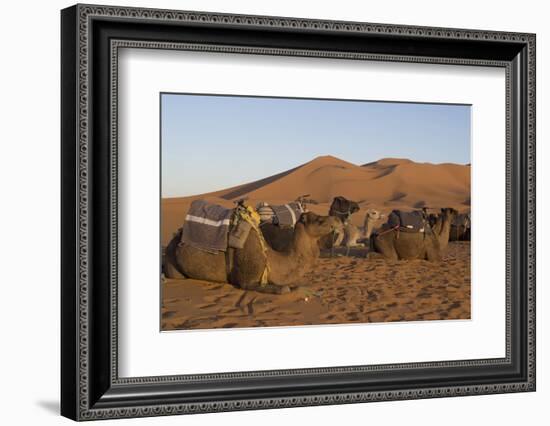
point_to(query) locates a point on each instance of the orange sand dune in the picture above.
(385, 185)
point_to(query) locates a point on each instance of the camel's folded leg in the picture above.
(433, 255)
(339, 237)
(170, 271)
(389, 253)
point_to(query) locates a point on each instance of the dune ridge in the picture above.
(386, 184)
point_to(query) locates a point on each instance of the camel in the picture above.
(341, 208)
(432, 219)
(278, 237)
(460, 228)
(285, 269)
(396, 244)
(442, 227)
(354, 235)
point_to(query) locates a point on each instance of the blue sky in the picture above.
(214, 142)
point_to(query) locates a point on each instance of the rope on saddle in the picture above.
(248, 214)
(395, 228)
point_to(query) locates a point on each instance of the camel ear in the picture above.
(305, 218)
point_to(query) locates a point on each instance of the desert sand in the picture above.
(342, 289)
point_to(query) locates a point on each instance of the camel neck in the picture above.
(287, 267)
(303, 245)
(369, 225)
(443, 227)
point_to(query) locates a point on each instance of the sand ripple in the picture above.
(340, 290)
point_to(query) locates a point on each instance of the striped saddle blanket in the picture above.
(206, 226)
(282, 215)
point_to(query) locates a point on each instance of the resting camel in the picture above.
(354, 235)
(432, 219)
(394, 245)
(441, 225)
(248, 263)
(460, 228)
(341, 208)
(279, 237)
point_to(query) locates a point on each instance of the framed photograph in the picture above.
(263, 212)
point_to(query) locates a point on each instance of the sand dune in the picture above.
(385, 184)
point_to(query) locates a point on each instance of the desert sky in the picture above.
(215, 142)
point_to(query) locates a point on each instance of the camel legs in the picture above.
(169, 263)
(432, 254)
(339, 237)
(390, 253)
(433, 250)
(170, 271)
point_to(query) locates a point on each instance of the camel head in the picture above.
(374, 214)
(371, 217)
(318, 226)
(432, 219)
(343, 208)
(449, 213)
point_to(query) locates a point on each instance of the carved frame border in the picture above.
(87, 12)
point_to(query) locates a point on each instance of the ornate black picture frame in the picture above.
(91, 36)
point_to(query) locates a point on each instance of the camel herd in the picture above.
(291, 252)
